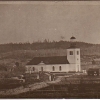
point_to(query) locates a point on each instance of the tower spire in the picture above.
(72, 40)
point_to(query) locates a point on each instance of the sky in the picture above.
(37, 21)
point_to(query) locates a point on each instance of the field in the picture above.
(8, 60)
(60, 91)
(74, 87)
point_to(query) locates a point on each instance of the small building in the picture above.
(93, 71)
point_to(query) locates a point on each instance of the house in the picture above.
(93, 71)
(66, 63)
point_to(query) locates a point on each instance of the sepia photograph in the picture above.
(49, 49)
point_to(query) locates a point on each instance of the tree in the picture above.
(45, 41)
(17, 64)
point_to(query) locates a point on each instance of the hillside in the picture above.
(86, 48)
(23, 52)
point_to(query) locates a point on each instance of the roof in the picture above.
(73, 47)
(49, 60)
(72, 37)
(93, 69)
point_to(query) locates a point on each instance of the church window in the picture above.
(59, 68)
(53, 68)
(77, 52)
(33, 69)
(71, 52)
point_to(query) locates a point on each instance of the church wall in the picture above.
(72, 67)
(49, 68)
(71, 58)
(75, 67)
(58, 68)
(77, 60)
(29, 68)
(78, 67)
(74, 58)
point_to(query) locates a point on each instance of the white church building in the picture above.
(69, 62)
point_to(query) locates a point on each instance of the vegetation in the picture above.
(43, 45)
(20, 53)
(86, 48)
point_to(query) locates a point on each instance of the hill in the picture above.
(86, 48)
(23, 52)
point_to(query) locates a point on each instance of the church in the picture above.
(69, 62)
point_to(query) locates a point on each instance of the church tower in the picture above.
(73, 55)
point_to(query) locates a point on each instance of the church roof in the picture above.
(49, 60)
(93, 69)
(73, 47)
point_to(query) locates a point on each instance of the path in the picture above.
(21, 89)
